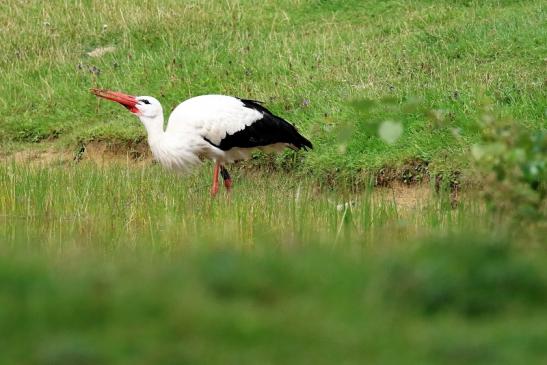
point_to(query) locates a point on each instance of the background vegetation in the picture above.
(308, 60)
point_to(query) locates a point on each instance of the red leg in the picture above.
(228, 184)
(226, 177)
(214, 189)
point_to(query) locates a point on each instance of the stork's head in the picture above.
(141, 106)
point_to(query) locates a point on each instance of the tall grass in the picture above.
(126, 265)
(121, 205)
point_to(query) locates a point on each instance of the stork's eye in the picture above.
(145, 101)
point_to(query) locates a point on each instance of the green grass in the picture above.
(126, 265)
(306, 59)
(148, 203)
(301, 307)
(130, 264)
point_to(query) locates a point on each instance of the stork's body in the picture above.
(216, 127)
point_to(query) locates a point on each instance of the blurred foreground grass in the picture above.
(126, 265)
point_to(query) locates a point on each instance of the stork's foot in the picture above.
(226, 177)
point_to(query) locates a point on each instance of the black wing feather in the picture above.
(269, 129)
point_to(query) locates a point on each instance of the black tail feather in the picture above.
(273, 129)
(268, 130)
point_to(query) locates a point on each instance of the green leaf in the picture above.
(390, 131)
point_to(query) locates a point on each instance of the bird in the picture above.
(220, 128)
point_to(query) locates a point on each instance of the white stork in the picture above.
(216, 127)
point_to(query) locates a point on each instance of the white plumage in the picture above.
(211, 116)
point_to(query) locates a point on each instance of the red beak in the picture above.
(130, 102)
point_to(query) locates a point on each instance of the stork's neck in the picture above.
(154, 128)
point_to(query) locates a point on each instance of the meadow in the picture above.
(431, 62)
(426, 247)
(129, 265)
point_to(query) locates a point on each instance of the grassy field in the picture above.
(125, 265)
(355, 252)
(434, 61)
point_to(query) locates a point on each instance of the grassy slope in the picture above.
(305, 59)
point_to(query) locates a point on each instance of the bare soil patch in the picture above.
(405, 196)
(43, 157)
(97, 152)
(104, 153)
